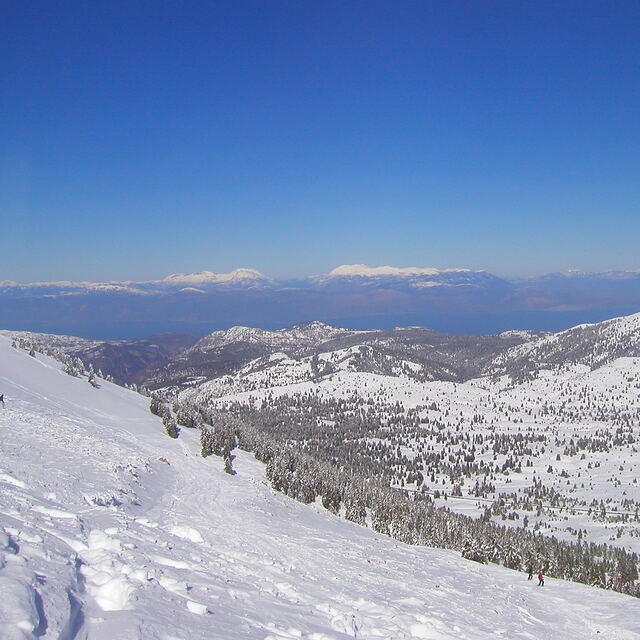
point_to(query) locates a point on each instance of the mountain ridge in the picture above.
(362, 296)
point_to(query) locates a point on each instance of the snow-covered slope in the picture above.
(111, 530)
(590, 344)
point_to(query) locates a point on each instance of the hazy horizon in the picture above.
(290, 275)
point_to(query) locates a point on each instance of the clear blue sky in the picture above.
(142, 138)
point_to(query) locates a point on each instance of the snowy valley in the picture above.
(541, 434)
(109, 528)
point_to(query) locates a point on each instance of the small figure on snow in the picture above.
(541, 579)
(2, 400)
(530, 574)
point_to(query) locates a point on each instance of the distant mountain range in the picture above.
(322, 350)
(315, 350)
(355, 295)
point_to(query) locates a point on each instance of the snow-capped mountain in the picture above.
(362, 276)
(245, 277)
(364, 271)
(111, 529)
(177, 281)
(353, 294)
(354, 275)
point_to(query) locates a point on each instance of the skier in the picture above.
(541, 579)
(2, 400)
(530, 574)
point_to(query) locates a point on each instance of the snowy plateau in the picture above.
(111, 530)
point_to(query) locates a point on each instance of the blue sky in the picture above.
(144, 138)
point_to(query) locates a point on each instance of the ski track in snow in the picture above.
(100, 540)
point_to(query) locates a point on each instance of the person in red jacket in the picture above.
(541, 579)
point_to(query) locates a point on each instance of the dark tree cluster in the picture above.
(161, 408)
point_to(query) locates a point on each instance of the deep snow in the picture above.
(100, 539)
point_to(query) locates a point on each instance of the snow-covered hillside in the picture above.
(297, 336)
(552, 448)
(435, 356)
(589, 344)
(111, 530)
